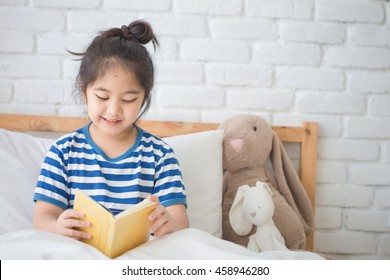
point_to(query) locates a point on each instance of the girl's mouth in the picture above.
(112, 122)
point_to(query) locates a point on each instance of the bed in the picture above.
(24, 140)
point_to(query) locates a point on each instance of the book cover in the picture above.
(114, 235)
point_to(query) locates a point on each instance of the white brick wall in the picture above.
(208, 7)
(286, 60)
(311, 78)
(238, 75)
(241, 28)
(312, 32)
(207, 50)
(351, 11)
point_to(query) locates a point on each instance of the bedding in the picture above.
(187, 244)
(200, 157)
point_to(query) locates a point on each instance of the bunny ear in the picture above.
(265, 186)
(239, 223)
(289, 184)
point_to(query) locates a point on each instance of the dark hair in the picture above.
(124, 46)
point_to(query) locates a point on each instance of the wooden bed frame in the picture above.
(306, 136)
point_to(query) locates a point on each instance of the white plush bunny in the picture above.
(254, 206)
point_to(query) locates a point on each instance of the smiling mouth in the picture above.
(111, 121)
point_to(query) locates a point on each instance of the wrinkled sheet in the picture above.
(187, 244)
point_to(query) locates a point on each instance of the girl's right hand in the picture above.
(68, 224)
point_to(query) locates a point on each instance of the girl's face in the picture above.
(114, 102)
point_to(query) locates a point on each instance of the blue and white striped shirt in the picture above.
(76, 162)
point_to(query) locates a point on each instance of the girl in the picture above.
(112, 159)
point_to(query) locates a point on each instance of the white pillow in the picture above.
(199, 154)
(200, 158)
(21, 156)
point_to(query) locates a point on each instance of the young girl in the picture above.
(112, 159)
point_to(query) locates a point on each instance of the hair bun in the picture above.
(139, 30)
(127, 33)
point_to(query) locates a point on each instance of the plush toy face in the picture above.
(258, 205)
(247, 142)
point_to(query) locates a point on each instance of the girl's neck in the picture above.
(113, 145)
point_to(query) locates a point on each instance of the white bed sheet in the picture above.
(188, 244)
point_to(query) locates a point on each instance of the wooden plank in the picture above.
(166, 129)
(159, 128)
(67, 124)
(40, 123)
(289, 134)
(308, 168)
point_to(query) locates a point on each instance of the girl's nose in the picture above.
(113, 107)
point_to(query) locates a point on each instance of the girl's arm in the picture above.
(168, 219)
(52, 218)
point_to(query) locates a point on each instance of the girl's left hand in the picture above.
(162, 221)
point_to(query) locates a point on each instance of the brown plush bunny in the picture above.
(248, 142)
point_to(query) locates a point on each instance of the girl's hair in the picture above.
(124, 46)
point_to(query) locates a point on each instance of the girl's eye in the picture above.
(129, 101)
(101, 98)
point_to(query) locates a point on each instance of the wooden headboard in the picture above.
(306, 135)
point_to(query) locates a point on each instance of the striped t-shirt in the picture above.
(76, 162)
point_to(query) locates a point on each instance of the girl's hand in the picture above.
(162, 222)
(167, 220)
(52, 218)
(68, 223)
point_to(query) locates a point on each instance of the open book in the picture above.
(114, 235)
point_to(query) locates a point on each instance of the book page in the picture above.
(144, 203)
(130, 230)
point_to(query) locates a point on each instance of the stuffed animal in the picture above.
(247, 145)
(254, 206)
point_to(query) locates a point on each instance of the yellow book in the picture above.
(114, 235)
